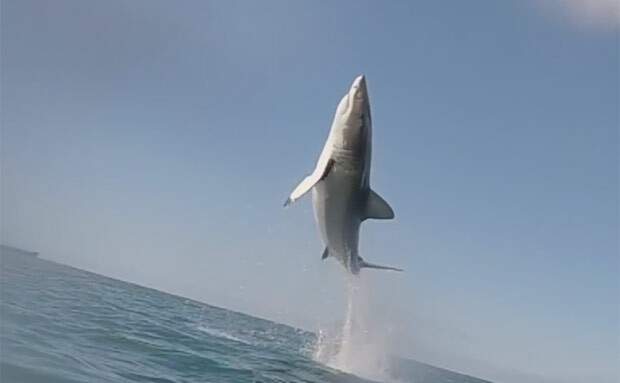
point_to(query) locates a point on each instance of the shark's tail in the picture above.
(374, 266)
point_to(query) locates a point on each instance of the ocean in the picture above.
(61, 324)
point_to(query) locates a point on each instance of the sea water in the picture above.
(61, 324)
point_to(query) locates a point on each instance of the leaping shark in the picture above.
(340, 183)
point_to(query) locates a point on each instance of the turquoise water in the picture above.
(60, 324)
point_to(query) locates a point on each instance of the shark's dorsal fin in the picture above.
(320, 172)
(325, 253)
(377, 208)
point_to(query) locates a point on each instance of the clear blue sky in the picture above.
(155, 141)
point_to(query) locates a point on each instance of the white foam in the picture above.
(221, 334)
(360, 345)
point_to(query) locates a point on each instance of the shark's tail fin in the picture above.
(374, 266)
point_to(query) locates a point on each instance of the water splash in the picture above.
(360, 345)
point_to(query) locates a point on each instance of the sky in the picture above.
(155, 142)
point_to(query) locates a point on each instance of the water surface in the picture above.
(61, 324)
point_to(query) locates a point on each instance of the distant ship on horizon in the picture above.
(10, 250)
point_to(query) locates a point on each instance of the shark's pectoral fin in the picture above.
(364, 264)
(320, 172)
(377, 208)
(325, 253)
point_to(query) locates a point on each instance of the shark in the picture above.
(340, 183)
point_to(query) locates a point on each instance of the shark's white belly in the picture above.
(336, 201)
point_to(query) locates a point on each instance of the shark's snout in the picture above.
(358, 88)
(357, 97)
(355, 101)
